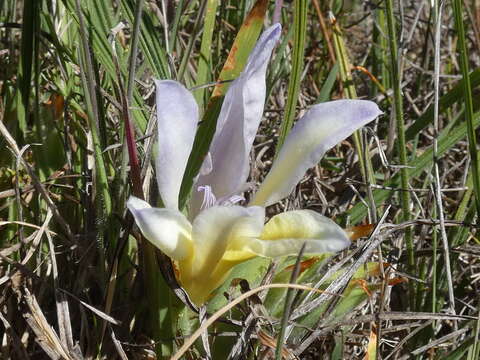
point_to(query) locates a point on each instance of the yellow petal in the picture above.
(215, 230)
(285, 234)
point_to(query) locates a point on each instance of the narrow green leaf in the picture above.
(242, 46)
(401, 142)
(327, 86)
(90, 90)
(467, 96)
(300, 29)
(204, 60)
(453, 96)
(30, 18)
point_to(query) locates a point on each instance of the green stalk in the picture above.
(127, 103)
(300, 29)
(434, 270)
(204, 60)
(174, 30)
(288, 306)
(400, 127)
(445, 242)
(472, 143)
(30, 16)
(458, 235)
(90, 87)
(133, 53)
(351, 93)
(159, 299)
(191, 42)
(467, 95)
(380, 52)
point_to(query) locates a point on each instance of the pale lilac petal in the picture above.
(206, 167)
(238, 122)
(177, 117)
(167, 229)
(286, 233)
(321, 128)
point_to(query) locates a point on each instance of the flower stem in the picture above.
(400, 127)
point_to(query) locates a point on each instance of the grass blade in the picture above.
(467, 96)
(300, 29)
(400, 127)
(204, 60)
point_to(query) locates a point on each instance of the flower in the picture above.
(218, 233)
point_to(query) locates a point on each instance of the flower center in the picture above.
(209, 198)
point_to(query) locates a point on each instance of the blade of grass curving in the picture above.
(467, 96)
(205, 56)
(299, 34)
(36, 182)
(453, 96)
(236, 60)
(400, 127)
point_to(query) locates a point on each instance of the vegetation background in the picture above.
(76, 85)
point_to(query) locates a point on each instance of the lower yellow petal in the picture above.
(217, 232)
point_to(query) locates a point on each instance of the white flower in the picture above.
(222, 234)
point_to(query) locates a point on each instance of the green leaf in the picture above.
(300, 29)
(252, 271)
(328, 84)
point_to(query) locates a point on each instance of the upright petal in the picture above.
(177, 117)
(213, 231)
(238, 122)
(167, 229)
(286, 233)
(323, 126)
